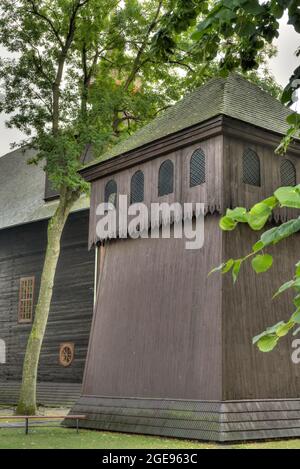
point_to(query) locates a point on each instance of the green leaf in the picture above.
(273, 329)
(271, 202)
(201, 28)
(269, 236)
(262, 263)
(297, 283)
(277, 10)
(284, 287)
(296, 301)
(293, 119)
(287, 229)
(258, 337)
(226, 15)
(288, 196)
(296, 317)
(196, 35)
(267, 342)
(227, 224)
(268, 331)
(278, 233)
(258, 246)
(236, 269)
(284, 329)
(237, 214)
(259, 215)
(253, 7)
(227, 266)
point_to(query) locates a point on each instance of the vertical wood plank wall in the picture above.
(157, 321)
(248, 307)
(236, 193)
(212, 148)
(244, 368)
(247, 310)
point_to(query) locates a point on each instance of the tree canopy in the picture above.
(235, 32)
(94, 71)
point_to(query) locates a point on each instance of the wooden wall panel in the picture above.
(157, 330)
(48, 393)
(193, 419)
(248, 309)
(21, 254)
(236, 193)
(209, 193)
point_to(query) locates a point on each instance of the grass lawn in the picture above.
(62, 438)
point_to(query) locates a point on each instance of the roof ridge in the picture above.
(234, 96)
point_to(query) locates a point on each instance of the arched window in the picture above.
(2, 351)
(287, 173)
(110, 192)
(197, 168)
(166, 178)
(251, 168)
(137, 187)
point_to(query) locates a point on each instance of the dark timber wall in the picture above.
(171, 349)
(21, 254)
(153, 321)
(248, 309)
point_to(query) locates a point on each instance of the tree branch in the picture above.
(61, 63)
(181, 64)
(36, 12)
(136, 63)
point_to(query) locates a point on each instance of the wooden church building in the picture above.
(170, 349)
(27, 202)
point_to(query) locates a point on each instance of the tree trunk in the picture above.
(27, 399)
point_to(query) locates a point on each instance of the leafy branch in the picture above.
(256, 218)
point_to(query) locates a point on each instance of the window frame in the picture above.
(115, 193)
(254, 152)
(22, 320)
(168, 160)
(282, 162)
(133, 180)
(195, 153)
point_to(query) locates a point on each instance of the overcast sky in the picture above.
(281, 66)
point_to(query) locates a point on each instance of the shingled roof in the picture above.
(233, 96)
(22, 189)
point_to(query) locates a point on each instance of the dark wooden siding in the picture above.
(21, 254)
(157, 329)
(209, 193)
(248, 307)
(247, 310)
(203, 420)
(48, 393)
(152, 354)
(236, 192)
